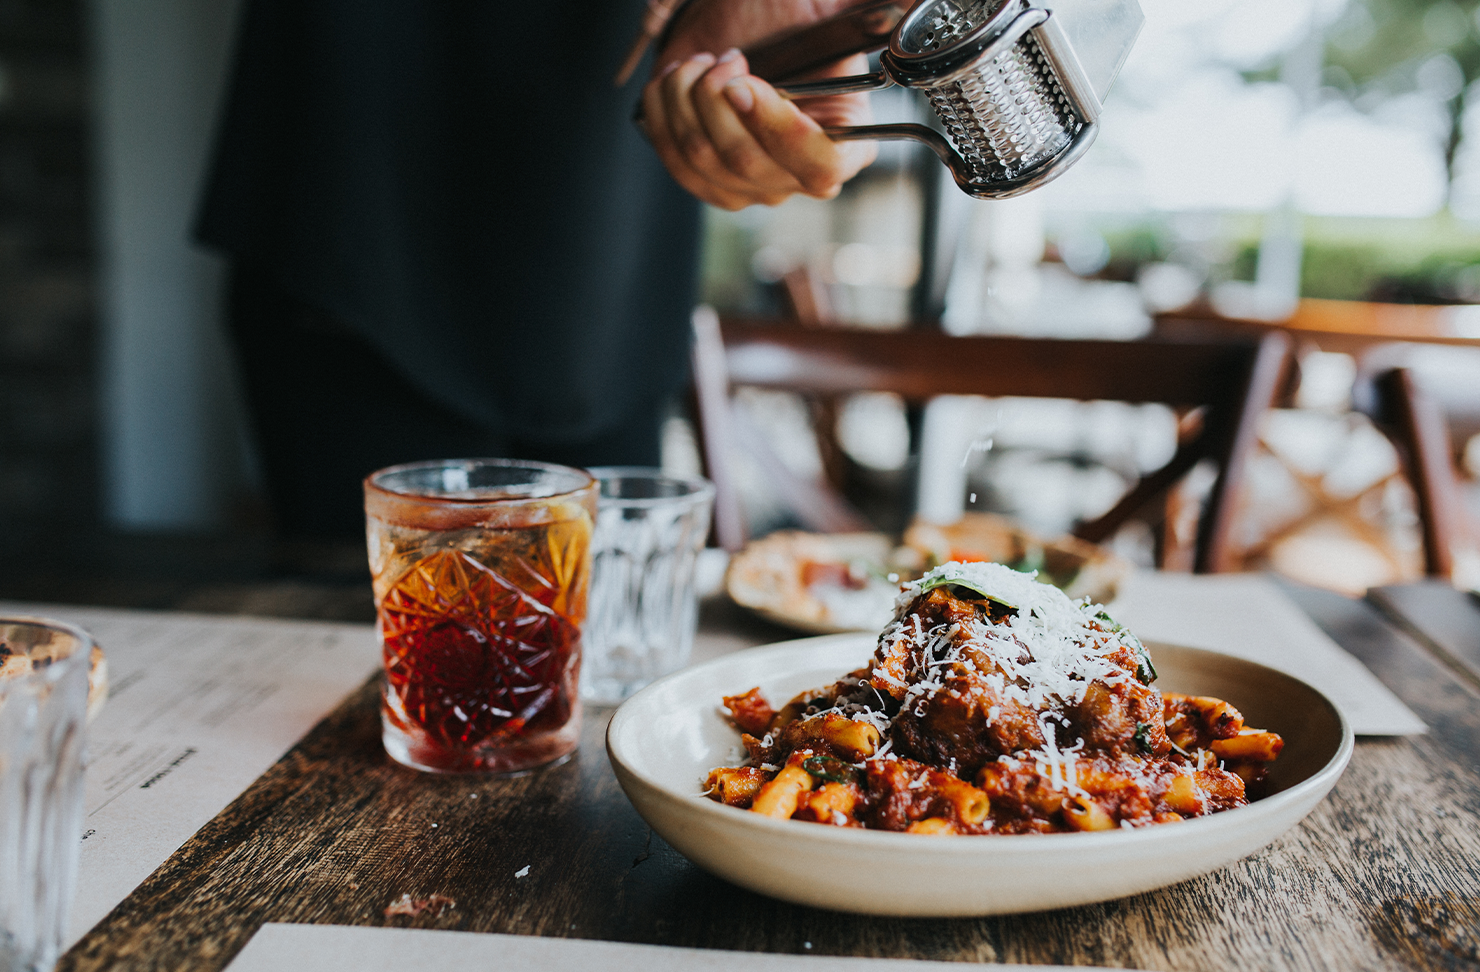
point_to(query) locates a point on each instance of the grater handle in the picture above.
(860, 29)
(912, 132)
(961, 171)
(852, 84)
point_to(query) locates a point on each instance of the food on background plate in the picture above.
(847, 582)
(819, 582)
(97, 682)
(994, 704)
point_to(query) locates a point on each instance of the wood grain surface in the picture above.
(1383, 875)
(1444, 619)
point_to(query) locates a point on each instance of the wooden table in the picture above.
(1385, 873)
(1445, 621)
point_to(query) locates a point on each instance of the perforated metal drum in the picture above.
(1018, 99)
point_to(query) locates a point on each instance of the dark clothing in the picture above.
(460, 185)
(330, 409)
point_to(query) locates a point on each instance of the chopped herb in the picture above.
(1145, 670)
(827, 768)
(1142, 736)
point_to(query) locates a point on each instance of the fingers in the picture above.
(706, 146)
(732, 140)
(666, 132)
(796, 142)
(736, 149)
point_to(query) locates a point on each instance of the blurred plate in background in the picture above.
(827, 583)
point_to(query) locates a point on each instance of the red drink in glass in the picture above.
(480, 570)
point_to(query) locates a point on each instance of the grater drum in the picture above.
(1017, 88)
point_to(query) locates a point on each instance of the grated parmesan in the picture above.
(1023, 668)
(1048, 651)
(1061, 766)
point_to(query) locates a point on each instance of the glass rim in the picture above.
(85, 641)
(371, 481)
(698, 487)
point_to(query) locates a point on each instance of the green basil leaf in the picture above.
(932, 584)
(1145, 669)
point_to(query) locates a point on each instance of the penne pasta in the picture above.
(835, 734)
(1249, 744)
(1183, 796)
(934, 826)
(832, 803)
(779, 797)
(735, 786)
(970, 804)
(1085, 814)
(995, 705)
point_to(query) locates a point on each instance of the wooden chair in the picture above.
(1414, 423)
(1228, 382)
(1375, 335)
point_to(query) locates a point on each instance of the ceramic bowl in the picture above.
(664, 740)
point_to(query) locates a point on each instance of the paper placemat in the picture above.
(346, 948)
(198, 708)
(1247, 615)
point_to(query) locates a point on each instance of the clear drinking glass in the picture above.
(480, 569)
(43, 717)
(644, 609)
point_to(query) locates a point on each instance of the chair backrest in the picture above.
(1414, 423)
(1231, 380)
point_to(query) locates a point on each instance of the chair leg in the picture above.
(1179, 529)
(1413, 420)
(712, 400)
(807, 299)
(1151, 487)
(1239, 433)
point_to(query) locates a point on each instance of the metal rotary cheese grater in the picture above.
(1016, 87)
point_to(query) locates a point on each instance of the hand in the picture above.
(730, 138)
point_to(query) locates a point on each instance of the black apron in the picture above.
(461, 185)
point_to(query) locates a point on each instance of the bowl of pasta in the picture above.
(994, 750)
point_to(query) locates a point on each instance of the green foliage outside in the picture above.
(1435, 260)
(1375, 50)
(1380, 48)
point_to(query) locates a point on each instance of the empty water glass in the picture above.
(43, 713)
(644, 608)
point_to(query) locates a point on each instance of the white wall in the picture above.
(170, 425)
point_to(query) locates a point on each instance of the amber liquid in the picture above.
(480, 630)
